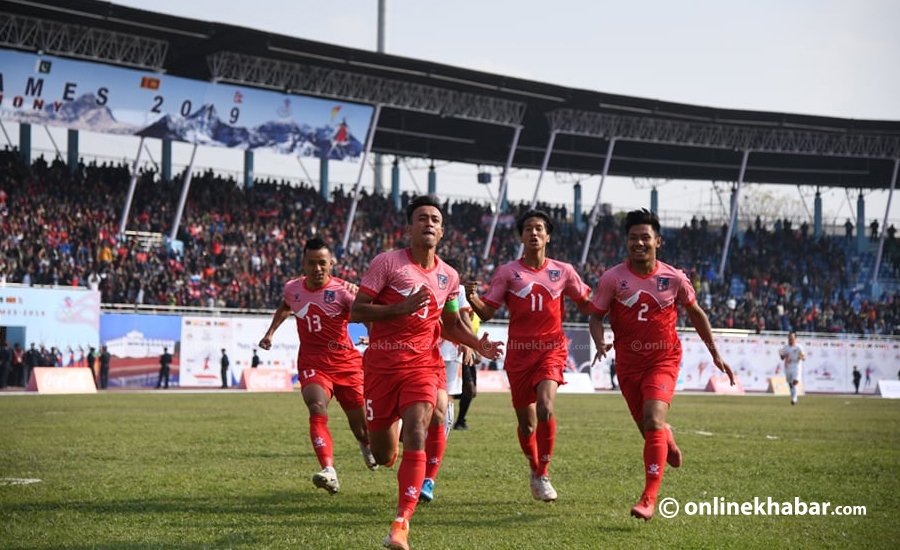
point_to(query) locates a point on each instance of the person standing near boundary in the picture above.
(857, 377)
(164, 361)
(328, 364)
(223, 364)
(640, 295)
(793, 355)
(409, 297)
(532, 289)
(104, 367)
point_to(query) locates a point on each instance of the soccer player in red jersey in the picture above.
(640, 295)
(409, 297)
(532, 288)
(328, 363)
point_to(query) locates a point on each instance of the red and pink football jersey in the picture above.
(410, 341)
(322, 315)
(534, 298)
(642, 312)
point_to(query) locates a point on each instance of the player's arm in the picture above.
(456, 331)
(282, 313)
(595, 324)
(483, 310)
(469, 357)
(364, 309)
(701, 324)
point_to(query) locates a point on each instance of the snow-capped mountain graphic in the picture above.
(283, 136)
(82, 113)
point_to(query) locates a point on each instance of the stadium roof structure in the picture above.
(442, 112)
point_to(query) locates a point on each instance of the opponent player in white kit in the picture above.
(793, 356)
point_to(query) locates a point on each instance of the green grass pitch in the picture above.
(191, 471)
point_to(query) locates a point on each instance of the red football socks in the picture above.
(546, 437)
(321, 439)
(410, 476)
(529, 447)
(655, 450)
(435, 445)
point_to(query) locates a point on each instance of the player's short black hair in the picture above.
(641, 217)
(420, 201)
(520, 223)
(315, 243)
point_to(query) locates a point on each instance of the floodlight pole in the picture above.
(362, 166)
(185, 187)
(884, 225)
(132, 184)
(537, 186)
(735, 203)
(504, 182)
(595, 212)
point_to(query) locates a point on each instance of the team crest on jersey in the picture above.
(554, 275)
(329, 296)
(443, 281)
(662, 283)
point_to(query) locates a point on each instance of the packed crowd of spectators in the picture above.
(240, 246)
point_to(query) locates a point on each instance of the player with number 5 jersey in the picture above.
(410, 298)
(327, 363)
(532, 288)
(641, 296)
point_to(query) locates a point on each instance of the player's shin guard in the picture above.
(435, 445)
(655, 451)
(410, 476)
(546, 437)
(529, 448)
(321, 439)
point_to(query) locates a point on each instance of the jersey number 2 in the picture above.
(644, 309)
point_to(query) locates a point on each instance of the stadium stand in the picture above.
(240, 247)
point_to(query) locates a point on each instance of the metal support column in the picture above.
(324, 190)
(248, 169)
(735, 205)
(185, 187)
(578, 215)
(887, 211)
(25, 143)
(500, 196)
(132, 185)
(860, 223)
(72, 150)
(595, 211)
(362, 166)
(166, 160)
(432, 180)
(395, 184)
(537, 186)
(654, 201)
(817, 215)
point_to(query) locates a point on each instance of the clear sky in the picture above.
(820, 57)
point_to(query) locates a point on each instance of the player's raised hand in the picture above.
(265, 343)
(488, 348)
(601, 353)
(414, 302)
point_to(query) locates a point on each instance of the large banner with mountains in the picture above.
(81, 95)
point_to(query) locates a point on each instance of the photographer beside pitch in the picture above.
(640, 295)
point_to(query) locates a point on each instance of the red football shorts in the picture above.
(389, 394)
(347, 388)
(525, 371)
(656, 383)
